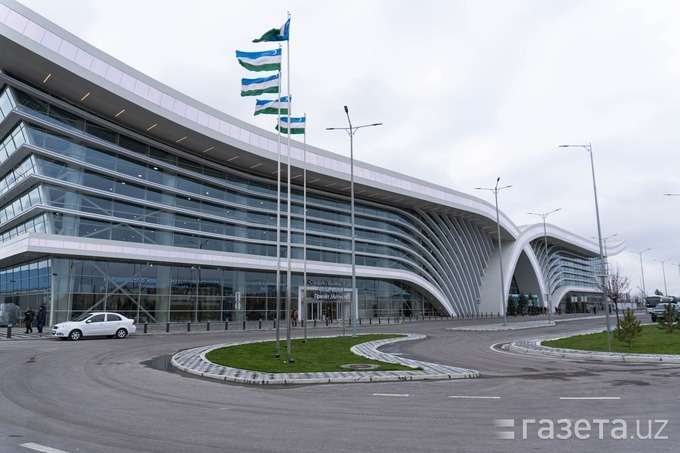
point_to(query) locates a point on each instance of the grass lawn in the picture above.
(317, 355)
(651, 340)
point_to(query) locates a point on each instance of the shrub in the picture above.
(628, 328)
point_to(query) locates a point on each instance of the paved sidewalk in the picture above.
(193, 361)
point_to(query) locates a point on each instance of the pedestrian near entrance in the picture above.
(40, 319)
(28, 319)
(294, 316)
(329, 317)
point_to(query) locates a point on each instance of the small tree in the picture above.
(628, 328)
(511, 310)
(522, 306)
(616, 289)
(669, 320)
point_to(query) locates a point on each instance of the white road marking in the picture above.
(475, 397)
(392, 394)
(44, 449)
(590, 397)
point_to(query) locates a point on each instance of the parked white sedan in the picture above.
(95, 324)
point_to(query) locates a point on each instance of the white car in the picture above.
(95, 324)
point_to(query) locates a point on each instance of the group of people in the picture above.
(39, 318)
(294, 317)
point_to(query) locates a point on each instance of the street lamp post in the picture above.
(605, 239)
(547, 260)
(642, 270)
(495, 191)
(663, 269)
(351, 130)
(589, 148)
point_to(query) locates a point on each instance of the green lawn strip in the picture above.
(316, 355)
(651, 340)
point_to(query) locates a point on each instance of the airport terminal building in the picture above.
(120, 193)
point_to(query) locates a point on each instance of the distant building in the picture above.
(120, 193)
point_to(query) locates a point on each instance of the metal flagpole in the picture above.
(303, 316)
(288, 220)
(277, 353)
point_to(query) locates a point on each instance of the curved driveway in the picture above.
(103, 396)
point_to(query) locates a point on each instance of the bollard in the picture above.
(378, 320)
(208, 326)
(244, 324)
(146, 325)
(370, 321)
(259, 324)
(314, 322)
(359, 321)
(167, 327)
(226, 325)
(189, 326)
(388, 320)
(9, 330)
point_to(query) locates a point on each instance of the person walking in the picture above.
(28, 319)
(40, 319)
(294, 317)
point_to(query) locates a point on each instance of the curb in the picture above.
(193, 361)
(534, 347)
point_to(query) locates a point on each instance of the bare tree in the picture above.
(616, 289)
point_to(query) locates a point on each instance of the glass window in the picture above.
(129, 189)
(113, 317)
(96, 205)
(96, 181)
(187, 203)
(128, 211)
(154, 174)
(99, 158)
(101, 132)
(97, 318)
(125, 233)
(94, 229)
(132, 144)
(154, 195)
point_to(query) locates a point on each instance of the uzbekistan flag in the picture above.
(256, 87)
(295, 125)
(271, 107)
(276, 34)
(269, 60)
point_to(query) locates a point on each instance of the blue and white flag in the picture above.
(256, 87)
(269, 60)
(276, 34)
(271, 107)
(296, 125)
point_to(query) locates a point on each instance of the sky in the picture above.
(467, 91)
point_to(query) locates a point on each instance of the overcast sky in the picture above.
(467, 90)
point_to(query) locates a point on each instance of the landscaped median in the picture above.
(652, 345)
(338, 364)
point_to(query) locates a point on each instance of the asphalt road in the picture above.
(101, 395)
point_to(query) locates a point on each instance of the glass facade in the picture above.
(65, 176)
